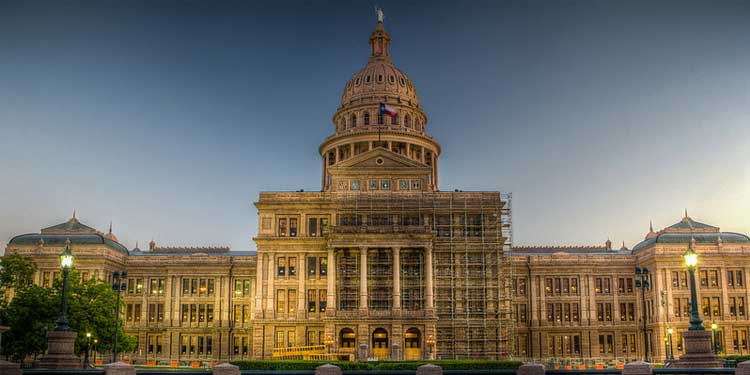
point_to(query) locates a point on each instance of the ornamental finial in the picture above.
(379, 12)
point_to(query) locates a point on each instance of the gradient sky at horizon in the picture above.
(168, 117)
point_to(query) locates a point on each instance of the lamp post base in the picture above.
(60, 346)
(698, 351)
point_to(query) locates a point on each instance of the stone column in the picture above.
(396, 278)
(301, 293)
(258, 289)
(429, 303)
(331, 293)
(363, 278)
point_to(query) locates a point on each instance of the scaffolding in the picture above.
(472, 236)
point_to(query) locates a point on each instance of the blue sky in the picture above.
(168, 117)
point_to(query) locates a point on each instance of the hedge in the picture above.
(738, 358)
(376, 365)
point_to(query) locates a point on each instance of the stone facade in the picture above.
(382, 264)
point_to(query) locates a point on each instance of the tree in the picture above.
(16, 272)
(91, 308)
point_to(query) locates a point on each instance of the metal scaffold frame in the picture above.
(473, 272)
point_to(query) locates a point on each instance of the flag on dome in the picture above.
(385, 109)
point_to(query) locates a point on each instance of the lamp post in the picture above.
(671, 348)
(86, 363)
(698, 351)
(66, 263)
(61, 341)
(430, 341)
(119, 284)
(691, 260)
(329, 342)
(713, 335)
(96, 349)
(642, 282)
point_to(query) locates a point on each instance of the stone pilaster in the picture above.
(363, 278)
(301, 293)
(396, 278)
(429, 293)
(331, 278)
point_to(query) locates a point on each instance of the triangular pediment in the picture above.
(380, 158)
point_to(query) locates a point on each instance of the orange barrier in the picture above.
(195, 364)
(151, 363)
(174, 364)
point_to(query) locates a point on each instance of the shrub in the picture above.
(468, 364)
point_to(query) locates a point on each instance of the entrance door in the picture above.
(380, 343)
(412, 344)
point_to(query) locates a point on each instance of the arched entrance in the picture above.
(380, 343)
(412, 344)
(347, 340)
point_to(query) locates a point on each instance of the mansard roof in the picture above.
(687, 229)
(77, 232)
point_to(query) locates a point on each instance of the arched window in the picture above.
(419, 125)
(380, 118)
(394, 120)
(354, 121)
(347, 338)
(407, 121)
(367, 118)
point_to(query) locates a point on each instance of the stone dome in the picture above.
(380, 78)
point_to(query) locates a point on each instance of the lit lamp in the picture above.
(714, 326)
(86, 353)
(61, 341)
(430, 341)
(670, 331)
(698, 351)
(329, 343)
(66, 263)
(691, 260)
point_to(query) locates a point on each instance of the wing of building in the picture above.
(382, 264)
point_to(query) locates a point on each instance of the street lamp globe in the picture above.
(714, 326)
(670, 330)
(66, 258)
(691, 257)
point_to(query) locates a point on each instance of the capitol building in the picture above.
(382, 264)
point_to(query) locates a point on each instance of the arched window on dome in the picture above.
(380, 118)
(407, 121)
(354, 121)
(394, 120)
(367, 118)
(419, 125)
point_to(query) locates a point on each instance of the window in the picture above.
(380, 118)
(292, 227)
(415, 184)
(373, 184)
(403, 185)
(394, 120)
(521, 287)
(292, 302)
(281, 266)
(713, 279)
(185, 286)
(210, 313)
(210, 287)
(292, 266)
(311, 300)
(323, 266)
(704, 278)
(281, 301)
(407, 121)
(367, 118)
(311, 266)
(322, 299)
(385, 184)
(282, 227)
(353, 122)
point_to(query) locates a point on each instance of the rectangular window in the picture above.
(323, 266)
(282, 227)
(154, 286)
(129, 313)
(292, 227)
(193, 313)
(209, 345)
(311, 266)
(629, 285)
(203, 287)
(281, 301)
(184, 313)
(704, 278)
(312, 227)
(598, 289)
(193, 286)
(739, 279)
(200, 345)
(201, 313)
(522, 287)
(706, 306)
(600, 312)
(210, 313)
(281, 266)
(675, 279)
(550, 312)
(713, 279)
(311, 300)
(246, 288)
(210, 287)
(557, 286)
(716, 306)
(185, 287)
(322, 300)
(741, 306)
(608, 311)
(623, 312)
(631, 311)
(160, 312)
(730, 279)
(621, 285)
(548, 286)
(574, 285)
(151, 312)
(292, 266)
(138, 286)
(292, 301)
(575, 312)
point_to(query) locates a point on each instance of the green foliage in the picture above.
(91, 307)
(17, 272)
(377, 365)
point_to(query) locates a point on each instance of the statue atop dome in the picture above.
(379, 12)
